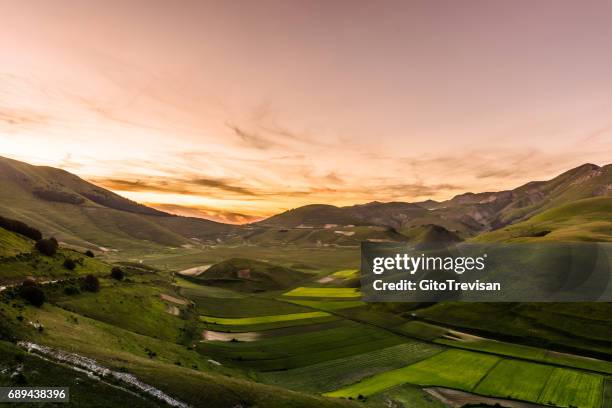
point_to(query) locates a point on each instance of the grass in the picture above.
(498, 347)
(291, 351)
(452, 368)
(422, 330)
(346, 273)
(531, 353)
(329, 304)
(14, 269)
(582, 220)
(249, 275)
(575, 326)
(607, 395)
(324, 292)
(12, 244)
(84, 391)
(406, 395)
(250, 306)
(515, 380)
(241, 321)
(568, 388)
(124, 350)
(335, 373)
(131, 306)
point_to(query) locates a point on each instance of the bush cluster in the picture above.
(70, 264)
(20, 228)
(117, 273)
(32, 293)
(47, 246)
(90, 284)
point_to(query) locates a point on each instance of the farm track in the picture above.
(98, 372)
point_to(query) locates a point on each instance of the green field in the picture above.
(310, 347)
(329, 304)
(346, 273)
(131, 306)
(328, 375)
(241, 321)
(568, 388)
(607, 395)
(579, 326)
(452, 368)
(422, 330)
(324, 292)
(515, 380)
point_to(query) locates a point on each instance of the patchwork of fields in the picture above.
(361, 359)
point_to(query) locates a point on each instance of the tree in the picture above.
(90, 284)
(47, 246)
(70, 264)
(32, 294)
(117, 273)
(20, 228)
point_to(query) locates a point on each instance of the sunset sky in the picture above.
(235, 110)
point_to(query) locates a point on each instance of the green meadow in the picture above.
(324, 292)
(452, 368)
(240, 321)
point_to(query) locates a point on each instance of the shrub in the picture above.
(20, 228)
(90, 284)
(117, 273)
(71, 290)
(47, 246)
(32, 294)
(19, 379)
(70, 264)
(89, 253)
(59, 196)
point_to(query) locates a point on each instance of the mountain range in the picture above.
(84, 215)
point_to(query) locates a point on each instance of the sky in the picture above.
(237, 110)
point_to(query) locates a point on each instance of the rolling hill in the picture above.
(465, 215)
(248, 275)
(84, 215)
(589, 219)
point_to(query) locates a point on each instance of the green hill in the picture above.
(584, 220)
(430, 234)
(19, 260)
(12, 244)
(467, 214)
(87, 216)
(249, 275)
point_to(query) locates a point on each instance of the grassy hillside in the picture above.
(429, 234)
(12, 244)
(19, 260)
(249, 275)
(82, 214)
(583, 220)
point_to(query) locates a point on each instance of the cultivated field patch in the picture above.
(346, 273)
(328, 375)
(571, 388)
(324, 292)
(515, 379)
(240, 321)
(452, 368)
(291, 351)
(329, 304)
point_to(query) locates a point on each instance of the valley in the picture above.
(270, 314)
